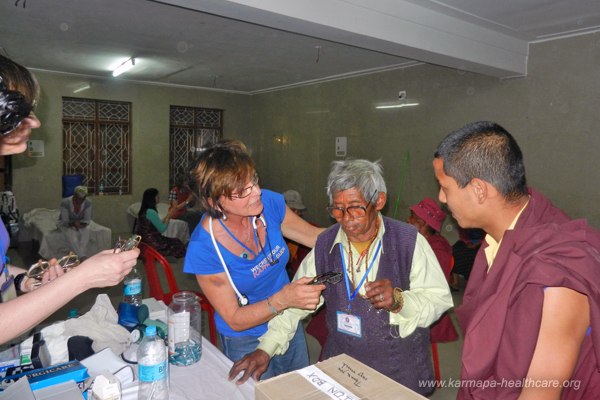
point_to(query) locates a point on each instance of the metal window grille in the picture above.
(191, 129)
(97, 143)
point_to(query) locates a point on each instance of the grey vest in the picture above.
(404, 360)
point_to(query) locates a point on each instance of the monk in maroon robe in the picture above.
(531, 309)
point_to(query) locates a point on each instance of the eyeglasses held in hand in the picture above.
(127, 244)
(328, 277)
(67, 263)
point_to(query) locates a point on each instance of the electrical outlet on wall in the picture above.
(341, 144)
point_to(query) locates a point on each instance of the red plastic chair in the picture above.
(151, 259)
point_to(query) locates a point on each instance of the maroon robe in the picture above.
(502, 309)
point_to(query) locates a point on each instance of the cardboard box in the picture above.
(340, 377)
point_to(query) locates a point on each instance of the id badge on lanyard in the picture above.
(346, 322)
(349, 324)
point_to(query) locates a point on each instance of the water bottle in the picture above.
(153, 367)
(184, 325)
(101, 189)
(132, 289)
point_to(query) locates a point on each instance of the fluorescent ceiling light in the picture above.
(82, 88)
(397, 105)
(126, 66)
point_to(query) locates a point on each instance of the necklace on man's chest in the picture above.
(363, 249)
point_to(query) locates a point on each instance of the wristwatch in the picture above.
(18, 280)
(398, 301)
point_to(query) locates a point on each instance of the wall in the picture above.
(553, 113)
(37, 181)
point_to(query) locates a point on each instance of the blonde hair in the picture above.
(221, 169)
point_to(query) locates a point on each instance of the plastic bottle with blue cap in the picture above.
(153, 367)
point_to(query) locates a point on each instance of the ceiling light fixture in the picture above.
(124, 67)
(397, 105)
(81, 88)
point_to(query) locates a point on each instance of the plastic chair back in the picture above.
(151, 259)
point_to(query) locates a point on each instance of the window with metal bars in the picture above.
(97, 144)
(191, 129)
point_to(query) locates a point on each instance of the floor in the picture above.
(25, 254)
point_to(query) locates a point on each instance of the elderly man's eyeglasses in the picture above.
(245, 192)
(353, 211)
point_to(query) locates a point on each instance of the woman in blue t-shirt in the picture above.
(239, 256)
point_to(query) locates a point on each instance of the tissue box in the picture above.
(340, 377)
(156, 308)
(40, 378)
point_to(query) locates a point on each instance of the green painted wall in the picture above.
(553, 113)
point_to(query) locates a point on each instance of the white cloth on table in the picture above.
(207, 379)
(99, 324)
(42, 223)
(175, 229)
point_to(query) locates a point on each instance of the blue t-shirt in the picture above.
(256, 278)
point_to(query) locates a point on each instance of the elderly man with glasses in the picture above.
(392, 287)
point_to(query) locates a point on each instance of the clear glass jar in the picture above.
(184, 322)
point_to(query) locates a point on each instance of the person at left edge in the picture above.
(238, 254)
(18, 92)
(393, 286)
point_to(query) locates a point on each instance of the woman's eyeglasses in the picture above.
(353, 211)
(37, 270)
(245, 192)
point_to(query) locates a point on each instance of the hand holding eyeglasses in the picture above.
(45, 271)
(328, 277)
(299, 294)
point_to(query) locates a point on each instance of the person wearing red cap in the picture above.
(428, 217)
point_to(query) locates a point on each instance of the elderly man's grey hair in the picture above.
(364, 175)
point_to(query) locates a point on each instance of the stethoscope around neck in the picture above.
(242, 298)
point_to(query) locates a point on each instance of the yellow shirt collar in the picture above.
(492, 249)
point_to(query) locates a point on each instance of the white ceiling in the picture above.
(252, 46)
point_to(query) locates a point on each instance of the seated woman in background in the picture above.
(75, 216)
(150, 227)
